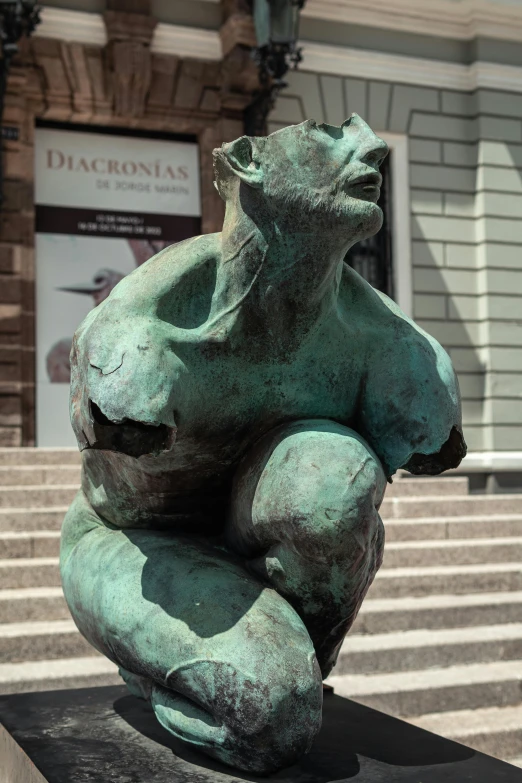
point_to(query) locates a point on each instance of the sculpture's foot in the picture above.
(140, 687)
(179, 715)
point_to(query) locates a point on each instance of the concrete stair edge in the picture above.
(419, 692)
(422, 649)
(493, 730)
(39, 456)
(57, 673)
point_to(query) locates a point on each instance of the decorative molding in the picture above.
(366, 64)
(490, 462)
(187, 42)
(76, 26)
(496, 77)
(238, 29)
(90, 29)
(191, 42)
(129, 60)
(462, 20)
(124, 26)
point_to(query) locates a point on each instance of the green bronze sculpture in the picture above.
(240, 401)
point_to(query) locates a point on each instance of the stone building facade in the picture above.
(113, 65)
(441, 81)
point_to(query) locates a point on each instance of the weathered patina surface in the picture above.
(240, 401)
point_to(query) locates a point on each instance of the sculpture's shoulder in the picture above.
(161, 280)
(123, 360)
(409, 407)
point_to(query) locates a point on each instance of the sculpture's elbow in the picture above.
(450, 456)
(134, 438)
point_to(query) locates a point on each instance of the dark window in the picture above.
(372, 258)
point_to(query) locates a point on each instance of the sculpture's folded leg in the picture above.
(305, 513)
(226, 662)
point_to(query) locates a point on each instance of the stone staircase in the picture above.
(40, 648)
(438, 640)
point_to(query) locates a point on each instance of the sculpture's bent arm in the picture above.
(410, 405)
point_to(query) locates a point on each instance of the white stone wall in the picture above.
(465, 152)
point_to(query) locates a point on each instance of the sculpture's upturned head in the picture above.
(322, 176)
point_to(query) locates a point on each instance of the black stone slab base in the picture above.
(103, 735)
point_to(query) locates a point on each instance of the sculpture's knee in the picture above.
(257, 722)
(314, 483)
(305, 514)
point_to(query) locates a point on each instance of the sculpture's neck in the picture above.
(274, 278)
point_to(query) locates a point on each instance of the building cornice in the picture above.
(201, 44)
(187, 42)
(462, 20)
(76, 26)
(90, 29)
(365, 64)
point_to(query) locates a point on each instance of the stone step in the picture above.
(390, 582)
(51, 518)
(376, 616)
(404, 554)
(20, 519)
(414, 693)
(387, 615)
(440, 528)
(425, 649)
(23, 604)
(418, 487)
(37, 543)
(46, 543)
(39, 456)
(58, 674)
(515, 762)
(21, 475)
(39, 640)
(456, 580)
(37, 496)
(41, 539)
(496, 731)
(29, 572)
(458, 505)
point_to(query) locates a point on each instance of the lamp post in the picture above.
(276, 25)
(17, 18)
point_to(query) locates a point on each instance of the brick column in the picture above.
(17, 369)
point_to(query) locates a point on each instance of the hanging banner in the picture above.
(104, 205)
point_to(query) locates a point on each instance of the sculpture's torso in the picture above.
(174, 396)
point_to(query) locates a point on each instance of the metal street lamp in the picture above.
(17, 18)
(276, 24)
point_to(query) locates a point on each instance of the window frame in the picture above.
(400, 220)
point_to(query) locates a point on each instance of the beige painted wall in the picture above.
(465, 170)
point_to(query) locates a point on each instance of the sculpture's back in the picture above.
(240, 401)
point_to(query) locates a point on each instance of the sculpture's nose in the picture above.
(371, 149)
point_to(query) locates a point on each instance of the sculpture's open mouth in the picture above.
(366, 186)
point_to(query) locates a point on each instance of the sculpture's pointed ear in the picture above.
(242, 155)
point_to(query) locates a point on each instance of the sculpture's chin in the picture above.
(368, 219)
(373, 210)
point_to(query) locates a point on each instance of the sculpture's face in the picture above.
(329, 174)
